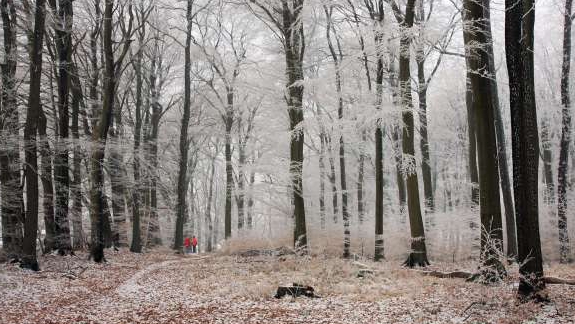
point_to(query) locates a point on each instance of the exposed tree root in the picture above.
(538, 297)
(66, 251)
(416, 260)
(365, 269)
(560, 281)
(28, 263)
(493, 271)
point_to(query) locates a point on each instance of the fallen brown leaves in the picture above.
(161, 287)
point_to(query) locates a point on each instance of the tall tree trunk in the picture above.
(47, 184)
(422, 84)
(208, 215)
(242, 160)
(572, 180)
(397, 143)
(294, 46)
(11, 191)
(471, 131)
(184, 141)
(424, 140)
(95, 69)
(322, 180)
(99, 137)
(504, 178)
(250, 214)
(418, 254)
(566, 130)
(29, 259)
(332, 179)
(240, 195)
(337, 62)
(120, 232)
(546, 145)
(136, 245)
(519, 39)
(378, 16)
(379, 242)
(117, 181)
(107, 220)
(400, 179)
(229, 122)
(360, 181)
(63, 32)
(154, 236)
(472, 139)
(240, 201)
(361, 162)
(76, 185)
(476, 20)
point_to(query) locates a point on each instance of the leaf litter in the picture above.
(161, 287)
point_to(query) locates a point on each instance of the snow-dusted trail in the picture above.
(134, 287)
(165, 288)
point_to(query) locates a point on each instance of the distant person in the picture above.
(187, 245)
(194, 244)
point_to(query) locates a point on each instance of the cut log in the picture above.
(453, 274)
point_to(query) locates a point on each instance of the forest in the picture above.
(370, 161)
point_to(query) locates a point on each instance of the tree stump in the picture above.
(295, 291)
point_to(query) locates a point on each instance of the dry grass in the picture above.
(251, 241)
(447, 240)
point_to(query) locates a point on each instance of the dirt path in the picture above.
(133, 286)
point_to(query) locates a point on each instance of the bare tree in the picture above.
(76, 184)
(245, 132)
(504, 178)
(476, 20)
(12, 194)
(226, 96)
(286, 18)
(337, 58)
(377, 15)
(519, 39)
(362, 155)
(209, 202)
(184, 141)
(418, 255)
(63, 10)
(141, 15)
(112, 70)
(29, 259)
(158, 82)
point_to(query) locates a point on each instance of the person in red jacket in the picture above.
(194, 244)
(187, 245)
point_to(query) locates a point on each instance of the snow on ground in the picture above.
(166, 288)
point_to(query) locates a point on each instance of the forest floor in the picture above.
(161, 287)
